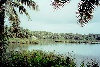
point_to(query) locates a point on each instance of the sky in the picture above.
(58, 21)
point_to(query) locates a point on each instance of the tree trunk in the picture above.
(2, 16)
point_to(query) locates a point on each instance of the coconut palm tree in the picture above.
(7, 9)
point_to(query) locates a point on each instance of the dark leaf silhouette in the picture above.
(86, 10)
(59, 3)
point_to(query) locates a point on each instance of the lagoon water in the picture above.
(82, 52)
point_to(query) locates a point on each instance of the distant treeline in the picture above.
(71, 36)
(67, 37)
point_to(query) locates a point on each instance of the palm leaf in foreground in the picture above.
(7, 9)
(85, 10)
(12, 14)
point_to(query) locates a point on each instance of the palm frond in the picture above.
(13, 17)
(59, 3)
(29, 3)
(14, 20)
(11, 13)
(86, 10)
(18, 5)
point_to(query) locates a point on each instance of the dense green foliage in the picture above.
(56, 37)
(23, 36)
(36, 59)
(40, 59)
(22, 33)
(67, 37)
(49, 35)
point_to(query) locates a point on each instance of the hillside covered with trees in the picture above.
(52, 37)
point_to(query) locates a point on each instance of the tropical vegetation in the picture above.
(37, 59)
(40, 59)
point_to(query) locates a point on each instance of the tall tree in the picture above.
(7, 8)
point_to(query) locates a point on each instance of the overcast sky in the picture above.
(63, 20)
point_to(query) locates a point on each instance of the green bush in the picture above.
(39, 59)
(35, 59)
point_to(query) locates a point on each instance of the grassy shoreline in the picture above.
(22, 41)
(42, 41)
